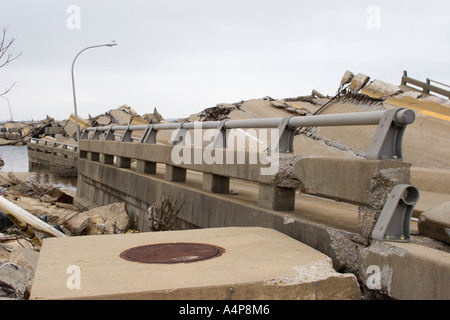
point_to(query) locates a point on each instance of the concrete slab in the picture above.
(257, 263)
(435, 223)
(429, 200)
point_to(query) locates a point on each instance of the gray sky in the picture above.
(184, 56)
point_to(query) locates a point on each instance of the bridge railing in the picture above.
(426, 86)
(51, 152)
(54, 144)
(386, 143)
(356, 181)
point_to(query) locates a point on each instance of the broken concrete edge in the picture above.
(337, 244)
(18, 133)
(15, 281)
(109, 219)
(308, 274)
(17, 270)
(431, 179)
(435, 223)
(366, 181)
(382, 267)
(391, 270)
(367, 184)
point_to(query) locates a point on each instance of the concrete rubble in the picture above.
(357, 92)
(122, 116)
(18, 256)
(18, 133)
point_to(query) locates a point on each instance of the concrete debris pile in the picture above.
(122, 116)
(17, 133)
(383, 91)
(55, 208)
(219, 112)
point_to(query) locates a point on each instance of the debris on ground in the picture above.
(18, 133)
(65, 131)
(18, 254)
(162, 215)
(357, 92)
(218, 113)
(110, 219)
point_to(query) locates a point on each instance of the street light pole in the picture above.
(73, 83)
(10, 112)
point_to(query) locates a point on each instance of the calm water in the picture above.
(16, 160)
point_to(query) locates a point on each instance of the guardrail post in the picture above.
(387, 141)
(149, 135)
(216, 184)
(96, 135)
(276, 198)
(84, 135)
(145, 167)
(220, 139)
(426, 89)
(179, 136)
(109, 135)
(123, 162)
(395, 218)
(126, 137)
(286, 133)
(405, 74)
(175, 174)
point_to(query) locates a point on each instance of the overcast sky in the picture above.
(184, 56)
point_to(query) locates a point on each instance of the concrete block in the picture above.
(359, 82)
(53, 130)
(12, 136)
(121, 117)
(14, 280)
(255, 263)
(216, 184)
(276, 198)
(145, 167)
(26, 258)
(103, 120)
(175, 174)
(435, 223)
(359, 181)
(380, 89)
(347, 78)
(405, 271)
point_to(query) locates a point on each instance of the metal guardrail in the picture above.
(65, 146)
(426, 86)
(386, 143)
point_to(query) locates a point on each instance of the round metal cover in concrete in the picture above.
(171, 253)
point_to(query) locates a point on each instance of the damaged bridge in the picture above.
(355, 210)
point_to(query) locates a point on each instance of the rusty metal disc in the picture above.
(171, 253)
